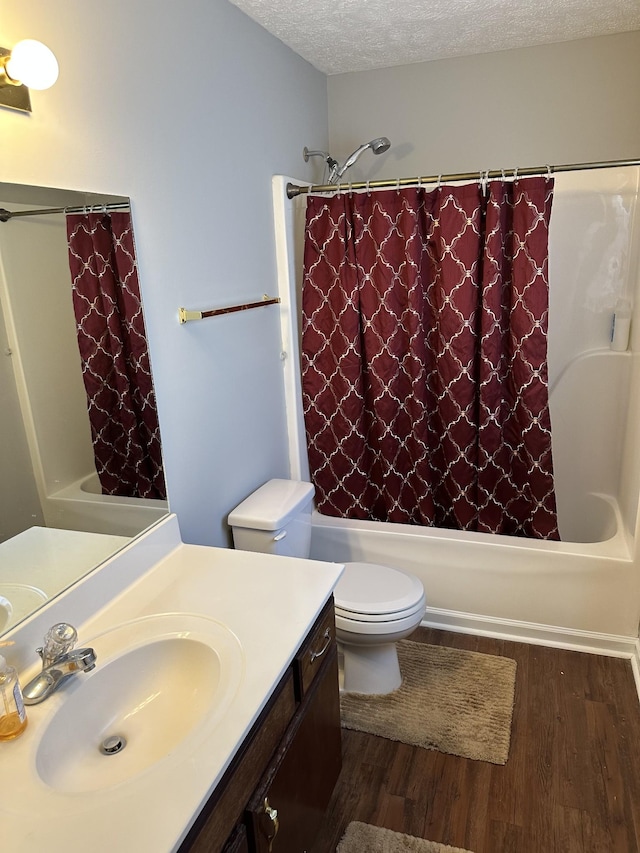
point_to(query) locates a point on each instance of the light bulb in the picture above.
(33, 65)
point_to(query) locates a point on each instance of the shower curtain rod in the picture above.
(6, 215)
(294, 189)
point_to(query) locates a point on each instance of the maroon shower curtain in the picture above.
(113, 351)
(424, 356)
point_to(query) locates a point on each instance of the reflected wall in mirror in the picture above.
(55, 522)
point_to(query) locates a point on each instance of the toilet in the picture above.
(375, 606)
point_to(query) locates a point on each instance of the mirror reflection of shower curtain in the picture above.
(424, 356)
(113, 350)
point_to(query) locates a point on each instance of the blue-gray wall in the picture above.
(189, 108)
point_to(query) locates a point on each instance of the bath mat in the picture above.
(360, 837)
(451, 700)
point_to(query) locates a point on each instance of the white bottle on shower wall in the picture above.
(621, 326)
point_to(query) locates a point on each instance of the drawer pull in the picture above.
(272, 815)
(327, 637)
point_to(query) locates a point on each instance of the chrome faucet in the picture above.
(59, 662)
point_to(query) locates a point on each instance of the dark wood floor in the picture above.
(571, 783)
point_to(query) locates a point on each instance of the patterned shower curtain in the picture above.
(424, 356)
(113, 350)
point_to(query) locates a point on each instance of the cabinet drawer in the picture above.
(316, 649)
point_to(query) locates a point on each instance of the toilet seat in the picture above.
(368, 592)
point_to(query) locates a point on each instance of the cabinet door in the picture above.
(227, 805)
(287, 810)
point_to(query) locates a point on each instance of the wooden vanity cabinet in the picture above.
(273, 797)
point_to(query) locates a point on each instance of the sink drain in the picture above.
(113, 744)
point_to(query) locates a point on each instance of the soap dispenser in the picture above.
(13, 717)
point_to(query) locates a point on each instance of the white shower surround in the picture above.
(584, 593)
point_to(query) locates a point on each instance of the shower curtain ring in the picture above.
(515, 174)
(398, 187)
(548, 172)
(439, 184)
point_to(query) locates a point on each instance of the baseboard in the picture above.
(590, 642)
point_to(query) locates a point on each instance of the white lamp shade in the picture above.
(33, 64)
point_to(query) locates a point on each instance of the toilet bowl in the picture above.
(375, 606)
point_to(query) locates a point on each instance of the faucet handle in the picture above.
(59, 640)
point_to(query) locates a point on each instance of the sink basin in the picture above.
(18, 600)
(160, 683)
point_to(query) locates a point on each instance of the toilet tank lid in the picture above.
(272, 505)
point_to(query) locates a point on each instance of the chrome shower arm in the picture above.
(331, 163)
(324, 154)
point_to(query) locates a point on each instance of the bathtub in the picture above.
(578, 595)
(82, 506)
(584, 591)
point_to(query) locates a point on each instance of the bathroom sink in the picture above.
(18, 600)
(160, 683)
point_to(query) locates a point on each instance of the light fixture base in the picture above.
(13, 97)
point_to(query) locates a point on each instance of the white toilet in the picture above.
(375, 605)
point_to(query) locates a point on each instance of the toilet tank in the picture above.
(275, 519)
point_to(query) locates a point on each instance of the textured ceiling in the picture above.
(358, 35)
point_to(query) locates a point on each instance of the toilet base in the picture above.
(370, 669)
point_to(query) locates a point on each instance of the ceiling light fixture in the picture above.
(29, 64)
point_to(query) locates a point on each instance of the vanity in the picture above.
(218, 669)
(286, 769)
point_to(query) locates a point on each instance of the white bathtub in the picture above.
(582, 596)
(82, 506)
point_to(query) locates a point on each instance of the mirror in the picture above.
(56, 522)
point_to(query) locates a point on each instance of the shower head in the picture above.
(336, 171)
(378, 146)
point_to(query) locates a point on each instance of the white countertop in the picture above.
(268, 602)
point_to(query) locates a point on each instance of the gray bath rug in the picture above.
(451, 700)
(361, 837)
